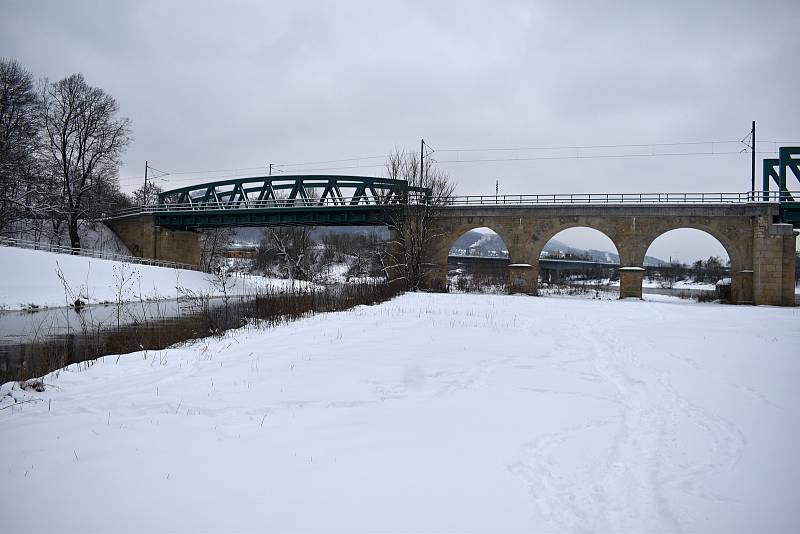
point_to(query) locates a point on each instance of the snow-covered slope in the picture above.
(30, 277)
(427, 413)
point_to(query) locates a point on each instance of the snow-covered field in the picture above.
(680, 284)
(30, 278)
(650, 283)
(426, 413)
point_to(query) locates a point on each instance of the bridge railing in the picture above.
(472, 200)
(617, 198)
(303, 203)
(61, 249)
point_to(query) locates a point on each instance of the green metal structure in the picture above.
(318, 200)
(776, 170)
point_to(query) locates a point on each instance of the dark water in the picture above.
(29, 326)
(33, 344)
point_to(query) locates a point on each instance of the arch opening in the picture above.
(579, 261)
(478, 262)
(693, 264)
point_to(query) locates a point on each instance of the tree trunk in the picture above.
(74, 236)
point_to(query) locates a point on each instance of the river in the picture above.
(33, 343)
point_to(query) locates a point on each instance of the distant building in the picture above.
(241, 251)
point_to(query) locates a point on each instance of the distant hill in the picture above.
(475, 243)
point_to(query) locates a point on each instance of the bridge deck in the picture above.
(376, 210)
(275, 216)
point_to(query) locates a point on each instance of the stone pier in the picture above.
(146, 240)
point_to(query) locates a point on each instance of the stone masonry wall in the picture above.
(146, 240)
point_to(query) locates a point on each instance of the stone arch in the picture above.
(547, 229)
(739, 252)
(550, 276)
(447, 235)
(448, 231)
(541, 240)
(544, 228)
(737, 249)
(477, 275)
(453, 234)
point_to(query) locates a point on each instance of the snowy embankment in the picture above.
(30, 278)
(429, 412)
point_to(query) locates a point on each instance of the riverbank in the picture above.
(431, 412)
(35, 343)
(36, 279)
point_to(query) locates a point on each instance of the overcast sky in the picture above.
(231, 85)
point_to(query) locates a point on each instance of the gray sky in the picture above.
(240, 84)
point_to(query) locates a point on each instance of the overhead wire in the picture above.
(583, 147)
(329, 161)
(594, 156)
(574, 156)
(299, 167)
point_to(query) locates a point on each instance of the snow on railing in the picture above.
(475, 200)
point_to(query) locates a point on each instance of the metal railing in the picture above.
(474, 200)
(217, 205)
(61, 249)
(619, 198)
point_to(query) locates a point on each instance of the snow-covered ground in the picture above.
(680, 284)
(30, 278)
(426, 413)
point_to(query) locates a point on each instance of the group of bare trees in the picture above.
(709, 271)
(362, 252)
(294, 252)
(214, 242)
(413, 227)
(289, 252)
(60, 149)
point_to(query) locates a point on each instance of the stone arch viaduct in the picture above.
(762, 252)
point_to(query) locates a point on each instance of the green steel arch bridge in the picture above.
(323, 200)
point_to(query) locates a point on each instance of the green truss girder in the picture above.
(235, 202)
(240, 192)
(776, 170)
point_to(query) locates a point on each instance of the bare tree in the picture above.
(361, 252)
(19, 142)
(85, 140)
(147, 194)
(213, 244)
(290, 250)
(413, 226)
(220, 278)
